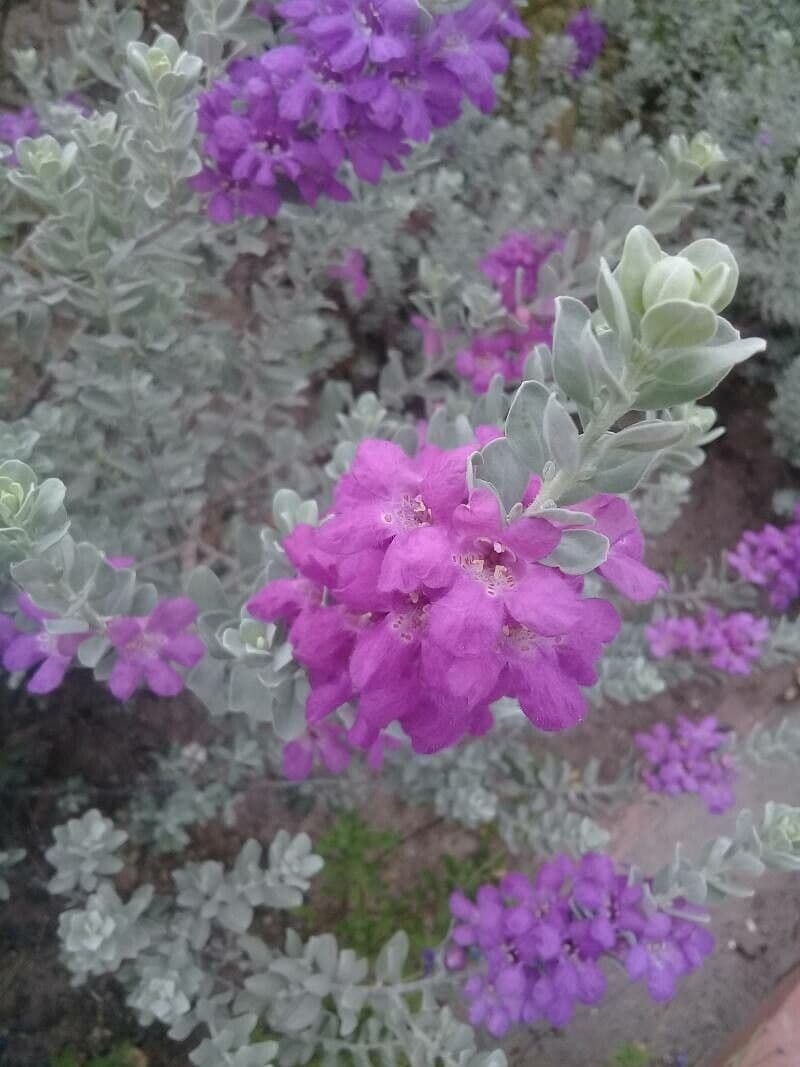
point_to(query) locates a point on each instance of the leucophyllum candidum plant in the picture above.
(198, 267)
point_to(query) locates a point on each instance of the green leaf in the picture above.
(498, 467)
(392, 957)
(649, 435)
(678, 324)
(524, 425)
(561, 436)
(613, 308)
(579, 552)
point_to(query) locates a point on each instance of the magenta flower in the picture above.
(326, 743)
(589, 35)
(53, 653)
(514, 265)
(624, 568)
(121, 563)
(351, 271)
(417, 603)
(147, 645)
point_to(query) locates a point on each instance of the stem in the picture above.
(551, 490)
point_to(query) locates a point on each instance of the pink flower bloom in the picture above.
(417, 603)
(148, 644)
(53, 653)
(351, 271)
(624, 568)
(121, 563)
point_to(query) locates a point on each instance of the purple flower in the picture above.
(667, 949)
(539, 945)
(349, 32)
(351, 271)
(589, 35)
(14, 125)
(689, 759)
(668, 636)
(466, 43)
(147, 645)
(53, 653)
(357, 80)
(732, 643)
(770, 558)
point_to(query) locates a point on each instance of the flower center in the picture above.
(408, 513)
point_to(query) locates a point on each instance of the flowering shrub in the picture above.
(365, 389)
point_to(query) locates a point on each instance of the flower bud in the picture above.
(455, 958)
(672, 278)
(705, 152)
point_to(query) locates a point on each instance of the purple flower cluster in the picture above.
(14, 125)
(689, 759)
(540, 943)
(416, 603)
(732, 643)
(770, 558)
(146, 647)
(513, 266)
(359, 81)
(589, 35)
